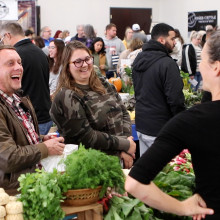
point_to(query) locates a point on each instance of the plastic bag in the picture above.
(54, 161)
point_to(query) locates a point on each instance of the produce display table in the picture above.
(88, 212)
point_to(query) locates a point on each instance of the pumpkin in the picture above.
(116, 82)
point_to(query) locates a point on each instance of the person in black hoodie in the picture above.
(35, 81)
(157, 84)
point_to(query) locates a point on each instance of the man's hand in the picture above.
(132, 149)
(55, 146)
(49, 136)
(127, 160)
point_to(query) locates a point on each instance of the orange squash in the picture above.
(116, 82)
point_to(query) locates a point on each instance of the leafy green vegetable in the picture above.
(89, 168)
(192, 98)
(128, 208)
(41, 195)
(127, 83)
(176, 184)
(185, 77)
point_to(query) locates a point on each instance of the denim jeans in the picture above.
(198, 78)
(45, 127)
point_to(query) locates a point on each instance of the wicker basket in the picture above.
(79, 197)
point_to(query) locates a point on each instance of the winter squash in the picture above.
(116, 82)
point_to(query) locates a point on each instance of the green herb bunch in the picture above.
(185, 77)
(192, 98)
(41, 195)
(89, 168)
(127, 83)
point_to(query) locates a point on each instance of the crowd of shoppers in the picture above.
(70, 73)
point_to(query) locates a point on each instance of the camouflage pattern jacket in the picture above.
(98, 121)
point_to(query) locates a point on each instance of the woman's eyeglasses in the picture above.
(79, 62)
(51, 47)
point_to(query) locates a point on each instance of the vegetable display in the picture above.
(177, 179)
(176, 184)
(129, 209)
(89, 168)
(41, 195)
(116, 82)
(127, 83)
(192, 98)
(42, 192)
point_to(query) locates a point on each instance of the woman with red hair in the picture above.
(58, 34)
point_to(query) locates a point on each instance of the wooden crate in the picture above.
(88, 212)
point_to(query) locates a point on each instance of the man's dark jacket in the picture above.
(82, 39)
(158, 88)
(35, 81)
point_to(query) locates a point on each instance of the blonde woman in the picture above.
(128, 37)
(191, 58)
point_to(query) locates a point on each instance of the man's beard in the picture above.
(169, 48)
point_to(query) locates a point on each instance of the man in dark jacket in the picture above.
(157, 84)
(35, 82)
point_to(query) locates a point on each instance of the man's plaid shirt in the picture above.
(23, 116)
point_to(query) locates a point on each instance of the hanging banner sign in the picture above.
(8, 10)
(198, 20)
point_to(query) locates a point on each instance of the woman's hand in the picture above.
(132, 149)
(153, 196)
(196, 204)
(127, 160)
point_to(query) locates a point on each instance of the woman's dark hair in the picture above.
(213, 48)
(92, 48)
(89, 31)
(60, 47)
(66, 79)
(39, 41)
(177, 33)
(28, 32)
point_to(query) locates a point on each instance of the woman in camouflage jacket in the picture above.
(88, 110)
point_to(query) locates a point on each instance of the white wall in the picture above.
(67, 14)
(175, 12)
